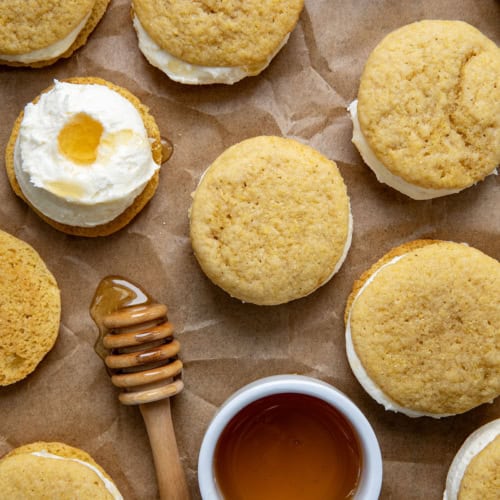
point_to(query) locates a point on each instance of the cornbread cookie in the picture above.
(38, 33)
(209, 41)
(427, 119)
(270, 220)
(30, 309)
(53, 470)
(422, 329)
(475, 470)
(73, 184)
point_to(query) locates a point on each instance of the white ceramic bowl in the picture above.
(371, 473)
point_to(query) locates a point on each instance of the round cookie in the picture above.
(207, 42)
(422, 329)
(270, 220)
(30, 309)
(140, 201)
(475, 470)
(43, 30)
(54, 470)
(427, 119)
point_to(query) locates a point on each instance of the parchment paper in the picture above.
(226, 344)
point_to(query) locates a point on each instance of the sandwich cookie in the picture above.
(207, 42)
(475, 470)
(37, 34)
(54, 470)
(422, 329)
(270, 220)
(30, 309)
(85, 155)
(427, 117)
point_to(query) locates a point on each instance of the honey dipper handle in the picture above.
(170, 475)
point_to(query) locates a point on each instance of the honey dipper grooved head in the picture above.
(143, 338)
(136, 342)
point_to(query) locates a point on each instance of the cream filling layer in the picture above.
(347, 246)
(110, 486)
(383, 174)
(192, 74)
(361, 374)
(49, 52)
(74, 194)
(472, 446)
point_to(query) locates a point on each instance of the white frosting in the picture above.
(49, 52)
(110, 486)
(359, 371)
(74, 194)
(344, 252)
(192, 74)
(473, 445)
(383, 174)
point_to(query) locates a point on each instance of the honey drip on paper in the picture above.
(79, 139)
(114, 292)
(167, 149)
(288, 447)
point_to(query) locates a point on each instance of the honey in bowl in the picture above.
(288, 447)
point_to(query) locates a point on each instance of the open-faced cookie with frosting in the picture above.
(30, 309)
(38, 33)
(85, 155)
(55, 470)
(270, 220)
(427, 117)
(422, 329)
(474, 473)
(210, 41)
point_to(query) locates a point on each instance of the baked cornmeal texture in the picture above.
(481, 479)
(28, 477)
(30, 309)
(427, 328)
(270, 220)
(429, 104)
(215, 33)
(140, 201)
(29, 25)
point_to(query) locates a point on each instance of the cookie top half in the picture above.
(214, 33)
(429, 104)
(32, 26)
(30, 309)
(474, 472)
(270, 220)
(56, 470)
(482, 477)
(425, 325)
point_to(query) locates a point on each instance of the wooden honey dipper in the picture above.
(137, 344)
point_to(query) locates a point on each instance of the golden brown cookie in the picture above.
(422, 328)
(475, 471)
(209, 41)
(140, 201)
(30, 309)
(482, 477)
(39, 32)
(53, 470)
(270, 220)
(429, 108)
